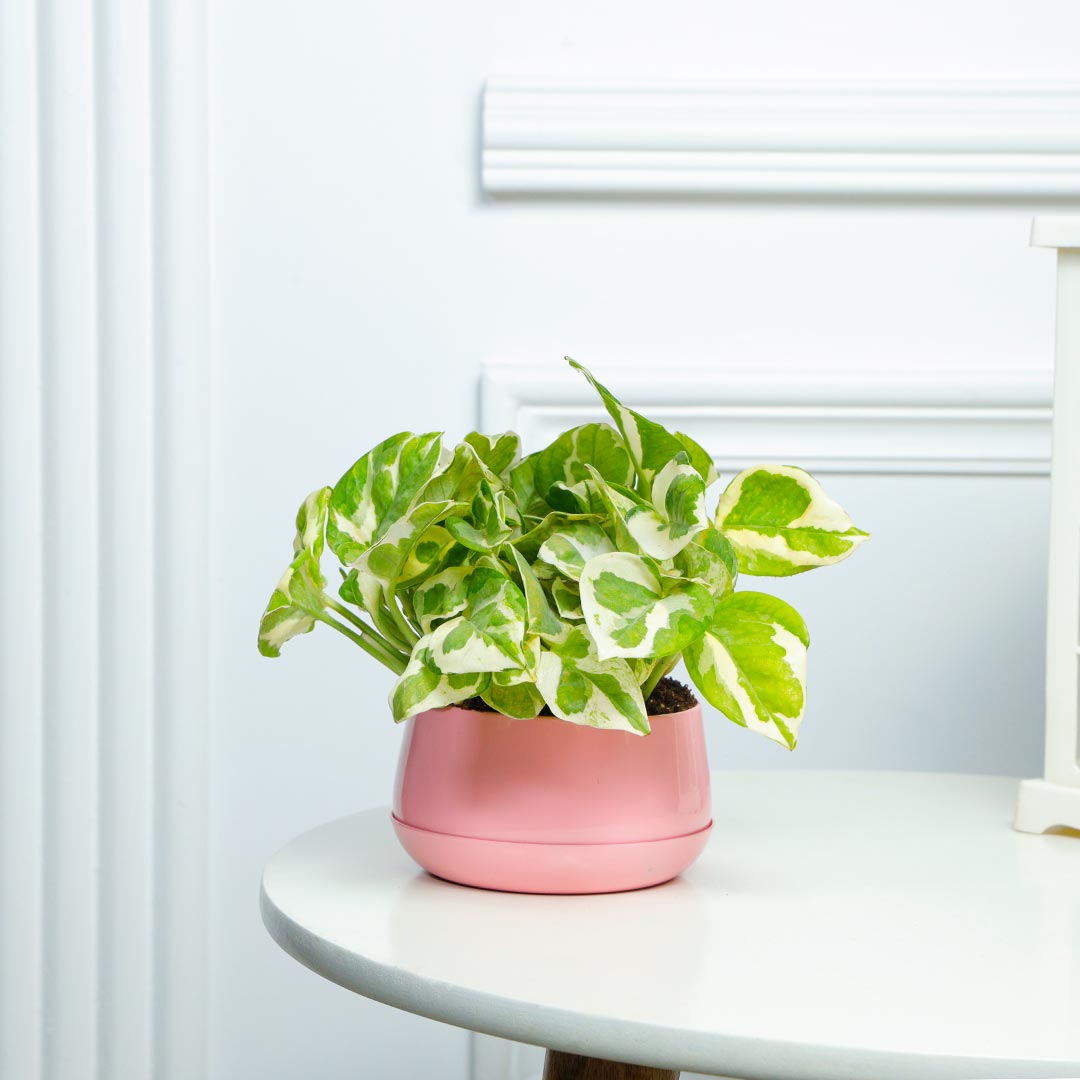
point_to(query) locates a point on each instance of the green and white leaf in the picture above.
(427, 555)
(751, 664)
(567, 598)
(563, 465)
(372, 496)
(311, 523)
(595, 693)
(295, 604)
(632, 610)
(489, 633)
(710, 560)
(423, 686)
(493, 520)
(663, 525)
(700, 458)
(781, 522)
(539, 618)
(573, 546)
(514, 693)
(529, 543)
(651, 446)
(497, 452)
(440, 597)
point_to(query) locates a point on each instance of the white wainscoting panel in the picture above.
(701, 137)
(869, 421)
(103, 407)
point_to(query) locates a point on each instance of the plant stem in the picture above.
(659, 670)
(406, 631)
(395, 661)
(362, 626)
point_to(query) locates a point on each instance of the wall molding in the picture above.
(931, 422)
(543, 136)
(104, 410)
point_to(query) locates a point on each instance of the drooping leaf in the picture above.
(751, 664)
(596, 693)
(569, 549)
(651, 446)
(563, 464)
(294, 605)
(780, 522)
(631, 610)
(423, 686)
(379, 488)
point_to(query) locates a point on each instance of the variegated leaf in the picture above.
(631, 610)
(563, 465)
(596, 693)
(781, 522)
(294, 606)
(311, 523)
(379, 488)
(514, 693)
(572, 547)
(428, 555)
(567, 599)
(529, 543)
(539, 618)
(493, 520)
(710, 560)
(440, 597)
(751, 664)
(651, 446)
(664, 524)
(423, 686)
(497, 452)
(489, 633)
(699, 458)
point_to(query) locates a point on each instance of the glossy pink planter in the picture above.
(549, 807)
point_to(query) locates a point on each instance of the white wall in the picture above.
(356, 282)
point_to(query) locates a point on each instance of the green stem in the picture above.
(659, 670)
(395, 661)
(404, 629)
(362, 626)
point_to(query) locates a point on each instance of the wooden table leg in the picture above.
(560, 1066)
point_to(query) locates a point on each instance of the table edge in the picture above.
(744, 1057)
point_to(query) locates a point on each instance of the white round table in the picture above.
(839, 925)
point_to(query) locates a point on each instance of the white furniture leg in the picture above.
(1054, 801)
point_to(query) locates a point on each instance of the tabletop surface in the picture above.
(839, 925)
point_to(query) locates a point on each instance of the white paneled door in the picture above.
(103, 425)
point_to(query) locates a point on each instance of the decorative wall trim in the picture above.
(729, 138)
(924, 422)
(103, 466)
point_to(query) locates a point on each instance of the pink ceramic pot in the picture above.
(545, 806)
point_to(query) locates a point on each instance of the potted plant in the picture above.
(532, 608)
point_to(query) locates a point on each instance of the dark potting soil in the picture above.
(669, 696)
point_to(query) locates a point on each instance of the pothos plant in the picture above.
(575, 577)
